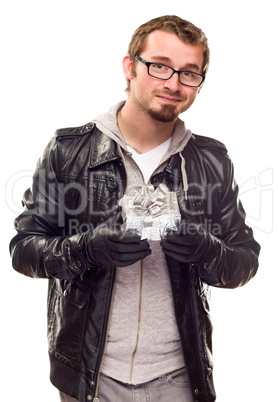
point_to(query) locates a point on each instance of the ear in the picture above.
(127, 67)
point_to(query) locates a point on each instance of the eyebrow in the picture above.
(167, 60)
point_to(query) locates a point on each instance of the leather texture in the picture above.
(76, 187)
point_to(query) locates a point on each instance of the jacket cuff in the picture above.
(78, 263)
(70, 260)
(209, 266)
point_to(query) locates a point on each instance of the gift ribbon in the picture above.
(150, 201)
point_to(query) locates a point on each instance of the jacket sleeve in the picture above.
(40, 249)
(232, 258)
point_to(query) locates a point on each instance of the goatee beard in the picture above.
(167, 114)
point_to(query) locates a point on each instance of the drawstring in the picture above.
(184, 175)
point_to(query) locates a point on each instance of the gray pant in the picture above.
(173, 386)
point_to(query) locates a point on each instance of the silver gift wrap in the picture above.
(152, 213)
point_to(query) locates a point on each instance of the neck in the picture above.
(141, 131)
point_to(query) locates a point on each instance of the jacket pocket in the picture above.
(66, 317)
(204, 208)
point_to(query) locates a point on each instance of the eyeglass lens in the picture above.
(164, 72)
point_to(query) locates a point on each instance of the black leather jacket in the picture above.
(76, 186)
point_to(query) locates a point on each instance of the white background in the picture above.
(61, 66)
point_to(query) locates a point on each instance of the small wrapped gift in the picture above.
(151, 212)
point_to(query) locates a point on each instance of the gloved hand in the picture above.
(109, 245)
(188, 244)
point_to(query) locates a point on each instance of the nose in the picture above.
(173, 84)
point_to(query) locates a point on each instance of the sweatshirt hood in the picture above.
(107, 123)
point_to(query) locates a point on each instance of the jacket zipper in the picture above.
(138, 323)
(96, 398)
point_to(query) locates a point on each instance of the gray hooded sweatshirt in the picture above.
(143, 341)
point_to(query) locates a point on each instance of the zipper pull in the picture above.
(65, 293)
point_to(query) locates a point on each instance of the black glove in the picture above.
(188, 244)
(109, 245)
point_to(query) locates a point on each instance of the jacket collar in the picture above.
(102, 149)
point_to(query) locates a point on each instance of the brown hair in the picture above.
(185, 30)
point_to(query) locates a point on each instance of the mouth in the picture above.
(169, 99)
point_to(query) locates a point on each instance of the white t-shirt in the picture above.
(148, 161)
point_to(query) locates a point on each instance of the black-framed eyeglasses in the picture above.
(163, 72)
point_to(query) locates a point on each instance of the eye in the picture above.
(188, 74)
(160, 68)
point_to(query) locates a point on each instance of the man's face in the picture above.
(164, 100)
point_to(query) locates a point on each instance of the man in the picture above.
(128, 317)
